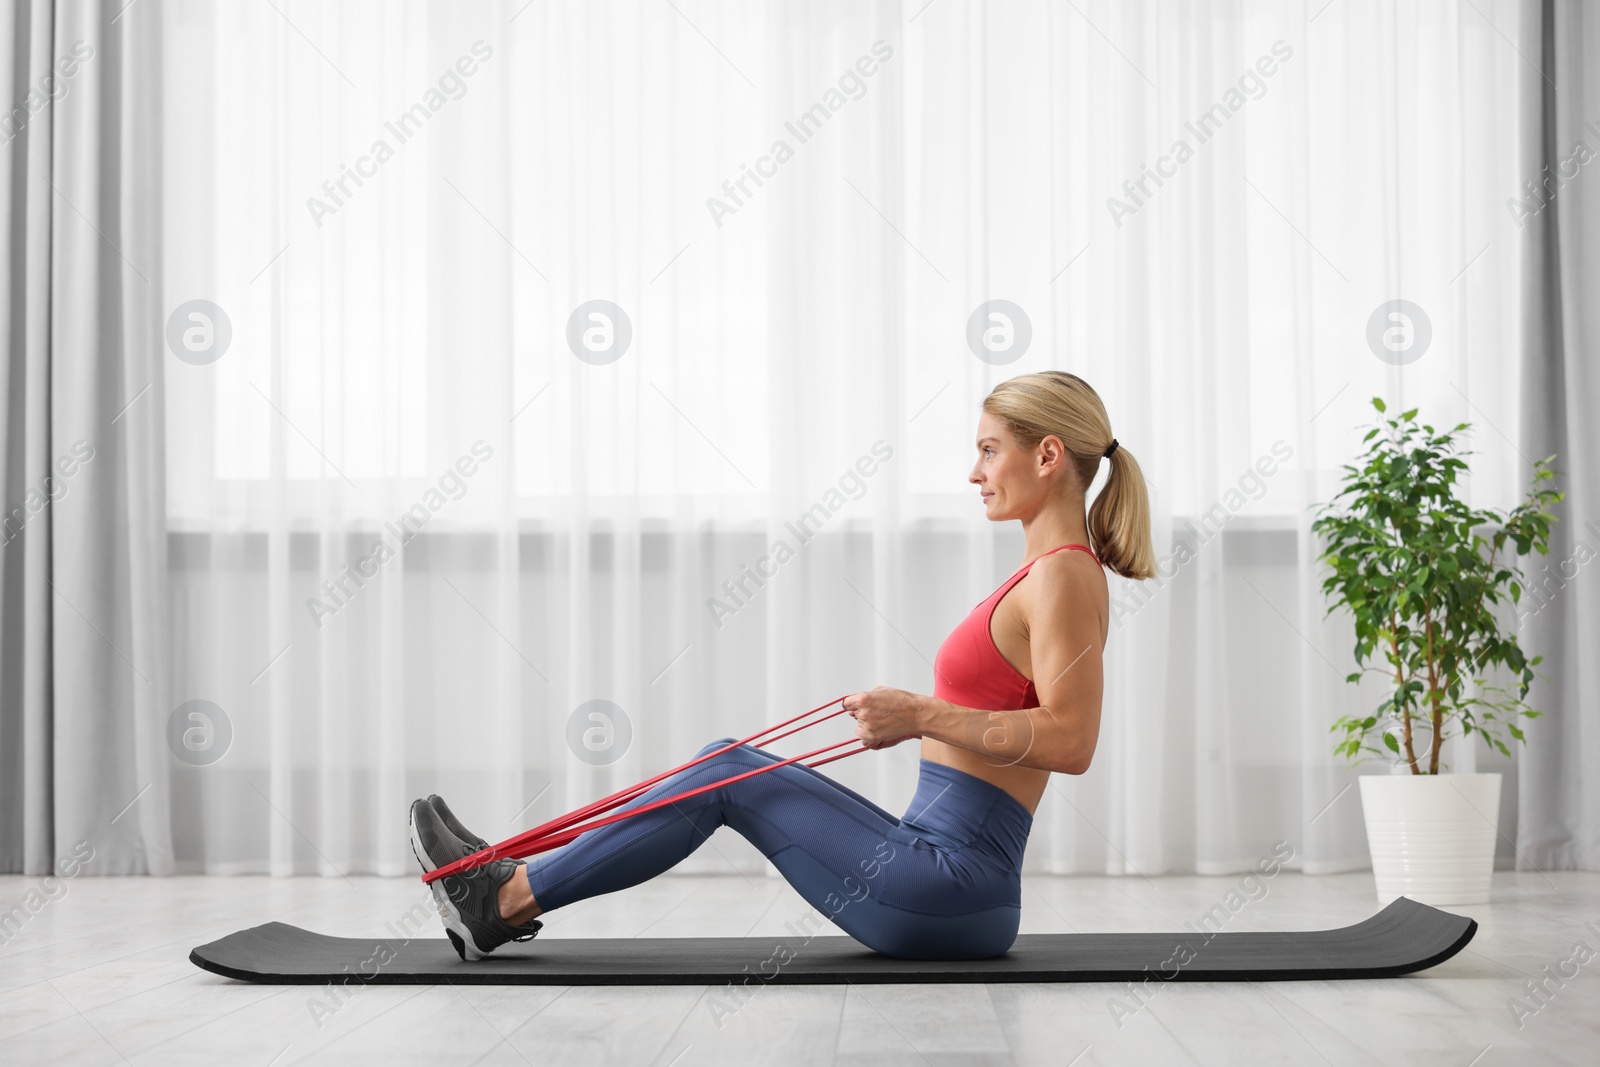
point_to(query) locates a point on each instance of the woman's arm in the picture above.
(1058, 735)
(1028, 737)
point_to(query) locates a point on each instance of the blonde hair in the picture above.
(1055, 402)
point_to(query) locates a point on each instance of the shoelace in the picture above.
(563, 828)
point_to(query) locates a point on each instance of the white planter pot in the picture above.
(1432, 835)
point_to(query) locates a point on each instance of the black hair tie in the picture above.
(1111, 448)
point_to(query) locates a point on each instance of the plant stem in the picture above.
(1434, 695)
(1400, 680)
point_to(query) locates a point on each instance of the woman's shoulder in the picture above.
(1069, 569)
(1066, 585)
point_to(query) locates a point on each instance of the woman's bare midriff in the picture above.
(1027, 784)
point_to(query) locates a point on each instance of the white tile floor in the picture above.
(101, 976)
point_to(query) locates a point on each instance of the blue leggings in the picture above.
(941, 882)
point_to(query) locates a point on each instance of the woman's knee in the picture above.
(721, 742)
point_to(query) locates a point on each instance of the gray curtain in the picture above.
(1558, 821)
(83, 661)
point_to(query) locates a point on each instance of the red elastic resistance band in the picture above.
(562, 829)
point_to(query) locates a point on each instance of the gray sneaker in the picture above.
(453, 824)
(467, 902)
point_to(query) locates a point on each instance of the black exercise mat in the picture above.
(1404, 937)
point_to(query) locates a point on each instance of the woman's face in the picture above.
(1013, 481)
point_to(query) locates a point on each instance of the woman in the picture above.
(1016, 696)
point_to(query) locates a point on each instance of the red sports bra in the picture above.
(969, 670)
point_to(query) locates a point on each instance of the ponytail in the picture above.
(1055, 402)
(1119, 520)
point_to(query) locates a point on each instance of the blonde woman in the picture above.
(1016, 697)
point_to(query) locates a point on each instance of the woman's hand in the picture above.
(885, 716)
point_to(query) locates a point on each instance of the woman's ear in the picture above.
(1052, 453)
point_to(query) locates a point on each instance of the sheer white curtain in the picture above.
(399, 207)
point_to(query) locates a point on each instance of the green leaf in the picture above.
(1378, 403)
(1390, 743)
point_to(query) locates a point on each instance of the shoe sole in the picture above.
(455, 929)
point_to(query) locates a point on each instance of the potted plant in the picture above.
(1422, 574)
